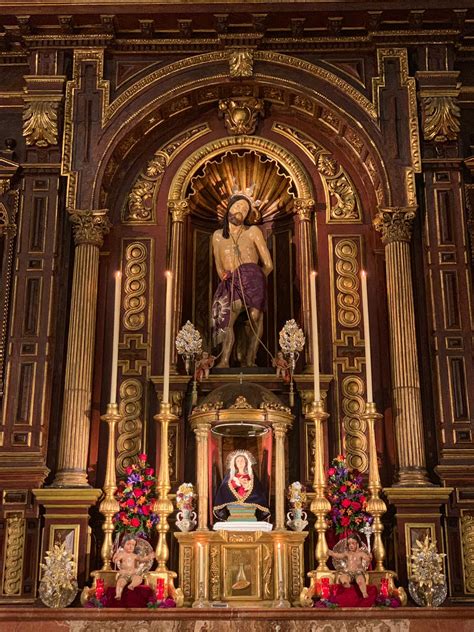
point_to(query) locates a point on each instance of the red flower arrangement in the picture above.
(136, 496)
(348, 498)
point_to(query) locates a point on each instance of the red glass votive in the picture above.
(325, 589)
(99, 588)
(160, 588)
(384, 587)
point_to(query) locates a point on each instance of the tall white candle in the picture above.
(201, 564)
(279, 563)
(314, 337)
(368, 357)
(115, 339)
(167, 358)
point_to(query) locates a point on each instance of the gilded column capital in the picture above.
(304, 207)
(280, 428)
(89, 227)
(179, 209)
(395, 223)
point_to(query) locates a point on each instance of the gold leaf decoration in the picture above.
(40, 123)
(441, 118)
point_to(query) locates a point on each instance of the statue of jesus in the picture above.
(238, 250)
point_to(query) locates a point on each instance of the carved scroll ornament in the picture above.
(241, 114)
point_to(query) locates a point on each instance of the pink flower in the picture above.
(135, 522)
(343, 488)
(142, 457)
(346, 502)
(149, 471)
(345, 520)
(130, 502)
(331, 471)
(137, 492)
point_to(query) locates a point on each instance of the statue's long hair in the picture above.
(232, 200)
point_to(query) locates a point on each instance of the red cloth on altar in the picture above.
(352, 597)
(136, 598)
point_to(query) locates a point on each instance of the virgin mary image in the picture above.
(240, 487)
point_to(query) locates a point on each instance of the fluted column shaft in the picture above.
(304, 210)
(202, 439)
(89, 228)
(395, 225)
(279, 431)
(179, 210)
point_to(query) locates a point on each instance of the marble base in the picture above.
(243, 526)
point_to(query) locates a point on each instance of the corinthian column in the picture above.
(304, 208)
(179, 210)
(279, 430)
(395, 224)
(89, 228)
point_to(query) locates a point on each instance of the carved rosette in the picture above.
(441, 118)
(179, 209)
(395, 224)
(40, 123)
(241, 114)
(467, 530)
(304, 208)
(89, 227)
(14, 545)
(241, 63)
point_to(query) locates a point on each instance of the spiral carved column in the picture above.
(304, 208)
(89, 228)
(179, 210)
(395, 224)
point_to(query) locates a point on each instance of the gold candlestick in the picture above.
(375, 505)
(109, 505)
(163, 506)
(320, 505)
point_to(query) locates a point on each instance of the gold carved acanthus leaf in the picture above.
(179, 210)
(395, 224)
(40, 123)
(441, 118)
(241, 114)
(304, 208)
(89, 227)
(240, 63)
(467, 531)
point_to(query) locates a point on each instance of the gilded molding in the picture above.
(395, 224)
(179, 210)
(347, 283)
(40, 123)
(241, 63)
(341, 199)
(89, 227)
(355, 428)
(241, 114)
(206, 153)
(135, 286)
(467, 532)
(14, 550)
(441, 118)
(214, 573)
(406, 82)
(267, 571)
(130, 425)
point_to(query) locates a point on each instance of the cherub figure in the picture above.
(130, 564)
(355, 562)
(203, 366)
(282, 366)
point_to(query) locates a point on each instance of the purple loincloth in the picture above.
(246, 283)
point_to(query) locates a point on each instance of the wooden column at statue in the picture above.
(395, 224)
(179, 210)
(89, 228)
(304, 208)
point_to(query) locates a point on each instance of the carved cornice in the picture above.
(179, 210)
(89, 227)
(395, 224)
(441, 118)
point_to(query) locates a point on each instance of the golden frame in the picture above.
(70, 537)
(253, 555)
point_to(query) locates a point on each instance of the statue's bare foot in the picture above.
(222, 365)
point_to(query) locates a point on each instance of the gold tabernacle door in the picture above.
(242, 568)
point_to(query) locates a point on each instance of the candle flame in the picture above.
(363, 273)
(168, 274)
(313, 273)
(118, 274)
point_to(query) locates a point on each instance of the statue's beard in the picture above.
(236, 220)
